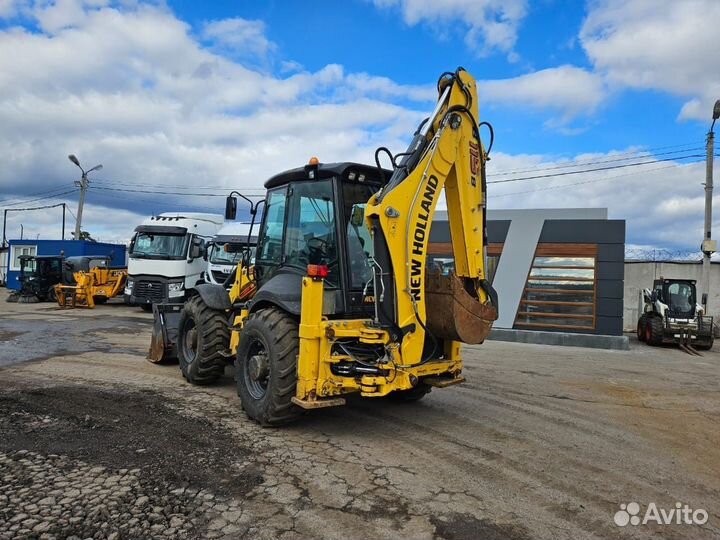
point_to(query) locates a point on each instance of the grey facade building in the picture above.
(555, 270)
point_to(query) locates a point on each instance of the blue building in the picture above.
(70, 248)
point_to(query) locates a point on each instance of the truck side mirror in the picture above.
(704, 299)
(230, 208)
(196, 249)
(653, 296)
(207, 249)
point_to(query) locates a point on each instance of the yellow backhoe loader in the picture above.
(340, 298)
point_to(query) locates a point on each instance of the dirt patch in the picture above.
(124, 430)
(7, 336)
(466, 527)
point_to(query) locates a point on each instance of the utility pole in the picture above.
(709, 246)
(83, 184)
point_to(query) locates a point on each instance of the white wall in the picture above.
(3, 267)
(640, 275)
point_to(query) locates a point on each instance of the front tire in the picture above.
(654, 331)
(203, 335)
(642, 323)
(266, 367)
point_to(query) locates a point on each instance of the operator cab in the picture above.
(314, 215)
(679, 295)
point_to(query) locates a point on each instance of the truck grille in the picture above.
(150, 290)
(219, 277)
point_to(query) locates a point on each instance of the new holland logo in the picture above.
(420, 236)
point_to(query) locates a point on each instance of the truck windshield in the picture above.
(218, 255)
(160, 246)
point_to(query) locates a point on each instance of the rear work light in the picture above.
(318, 271)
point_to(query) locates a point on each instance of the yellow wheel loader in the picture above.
(94, 286)
(340, 298)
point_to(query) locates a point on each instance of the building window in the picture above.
(17, 252)
(560, 291)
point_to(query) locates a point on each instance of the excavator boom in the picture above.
(445, 154)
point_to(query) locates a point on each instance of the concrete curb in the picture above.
(565, 339)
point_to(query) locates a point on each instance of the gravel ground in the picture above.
(542, 442)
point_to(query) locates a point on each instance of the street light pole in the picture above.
(83, 184)
(708, 245)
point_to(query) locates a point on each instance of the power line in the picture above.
(159, 185)
(599, 162)
(25, 201)
(586, 181)
(180, 194)
(539, 176)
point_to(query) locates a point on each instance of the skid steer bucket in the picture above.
(166, 322)
(456, 314)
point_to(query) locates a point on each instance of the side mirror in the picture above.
(653, 296)
(196, 249)
(230, 208)
(358, 216)
(704, 299)
(207, 249)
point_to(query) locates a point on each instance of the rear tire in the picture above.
(654, 331)
(103, 299)
(13, 297)
(642, 322)
(51, 296)
(410, 396)
(203, 335)
(266, 367)
(705, 345)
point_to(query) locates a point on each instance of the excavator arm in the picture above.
(445, 154)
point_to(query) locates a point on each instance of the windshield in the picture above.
(359, 241)
(218, 255)
(681, 297)
(160, 246)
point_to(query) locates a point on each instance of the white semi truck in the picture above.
(166, 257)
(226, 250)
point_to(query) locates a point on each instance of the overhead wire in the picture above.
(592, 161)
(598, 162)
(5, 204)
(597, 180)
(595, 169)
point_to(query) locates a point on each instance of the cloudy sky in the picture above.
(183, 98)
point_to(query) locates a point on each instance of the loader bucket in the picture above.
(455, 314)
(166, 322)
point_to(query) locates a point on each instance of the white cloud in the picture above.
(488, 24)
(242, 36)
(568, 89)
(658, 44)
(133, 89)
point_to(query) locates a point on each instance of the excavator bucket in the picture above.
(455, 313)
(163, 342)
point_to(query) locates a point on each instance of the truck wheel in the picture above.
(13, 297)
(147, 308)
(203, 335)
(103, 299)
(642, 323)
(654, 331)
(413, 394)
(51, 296)
(705, 344)
(266, 367)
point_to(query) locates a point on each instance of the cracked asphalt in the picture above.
(541, 442)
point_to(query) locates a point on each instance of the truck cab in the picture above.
(227, 249)
(166, 257)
